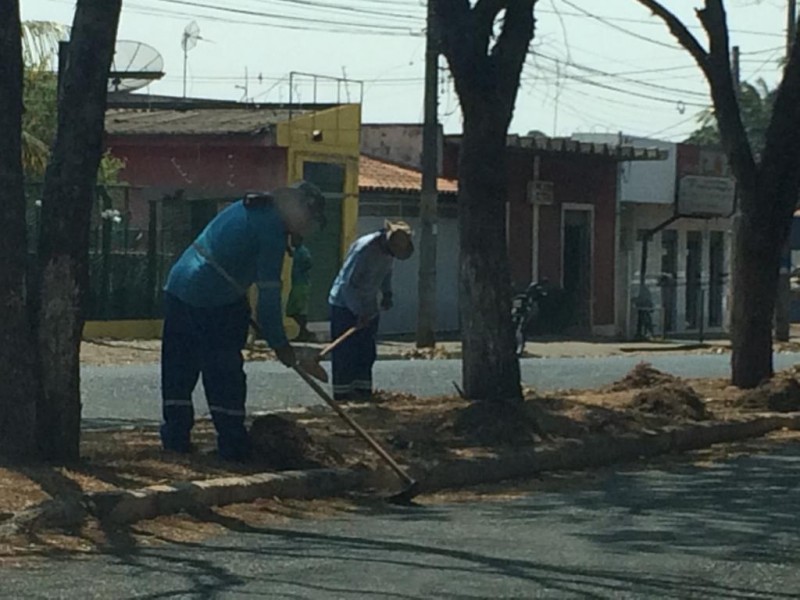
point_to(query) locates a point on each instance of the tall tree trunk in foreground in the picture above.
(67, 203)
(768, 188)
(486, 68)
(17, 350)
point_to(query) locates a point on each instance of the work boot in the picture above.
(178, 443)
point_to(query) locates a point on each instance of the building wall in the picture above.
(225, 167)
(689, 159)
(398, 143)
(636, 218)
(536, 231)
(334, 136)
(643, 182)
(328, 137)
(210, 165)
(375, 208)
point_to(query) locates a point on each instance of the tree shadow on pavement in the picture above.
(201, 570)
(744, 509)
(719, 518)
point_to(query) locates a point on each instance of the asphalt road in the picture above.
(124, 395)
(725, 532)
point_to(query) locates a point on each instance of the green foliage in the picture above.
(755, 104)
(40, 99)
(110, 167)
(39, 120)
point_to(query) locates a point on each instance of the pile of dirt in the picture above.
(282, 444)
(643, 376)
(781, 394)
(498, 423)
(672, 400)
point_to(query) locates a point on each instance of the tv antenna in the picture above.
(134, 66)
(189, 40)
(245, 87)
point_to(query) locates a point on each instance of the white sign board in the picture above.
(541, 192)
(706, 196)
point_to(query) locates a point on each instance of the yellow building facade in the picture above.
(323, 147)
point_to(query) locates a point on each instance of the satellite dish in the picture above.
(188, 41)
(135, 65)
(190, 36)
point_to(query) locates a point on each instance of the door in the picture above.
(716, 278)
(694, 277)
(668, 280)
(325, 245)
(577, 267)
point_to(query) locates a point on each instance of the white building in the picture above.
(687, 272)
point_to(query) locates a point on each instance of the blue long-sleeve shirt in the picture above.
(239, 247)
(367, 270)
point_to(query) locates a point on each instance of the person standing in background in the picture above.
(297, 305)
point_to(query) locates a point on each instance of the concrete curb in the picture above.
(127, 506)
(599, 450)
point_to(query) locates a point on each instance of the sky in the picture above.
(594, 66)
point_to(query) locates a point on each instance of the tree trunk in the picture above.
(757, 256)
(17, 351)
(67, 203)
(490, 365)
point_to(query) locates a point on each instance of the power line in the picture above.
(622, 77)
(653, 23)
(255, 13)
(351, 8)
(608, 23)
(294, 22)
(341, 27)
(612, 88)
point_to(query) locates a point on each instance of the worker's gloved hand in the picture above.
(386, 302)
(286, 355)
(364, 321)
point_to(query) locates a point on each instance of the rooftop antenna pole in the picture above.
(189, 40)
(244, 87)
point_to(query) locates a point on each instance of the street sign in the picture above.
(700, 196)
(541, 192)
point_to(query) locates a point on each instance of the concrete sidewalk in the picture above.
(111, 352)
(394, 350)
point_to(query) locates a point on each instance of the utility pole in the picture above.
(736, 221)
(426, 314)
(783, 299)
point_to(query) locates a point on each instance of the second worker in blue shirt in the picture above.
(367, 271)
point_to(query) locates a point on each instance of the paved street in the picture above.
(728, 531)
(122, 395)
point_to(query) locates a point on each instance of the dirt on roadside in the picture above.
(419, 432)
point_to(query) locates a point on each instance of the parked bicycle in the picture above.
(525, 310)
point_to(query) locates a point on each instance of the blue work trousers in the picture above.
(353, 360)
(208, 342)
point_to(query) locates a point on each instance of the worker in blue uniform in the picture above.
(353, 300)
(207, 315)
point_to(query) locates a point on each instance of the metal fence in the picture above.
(684, 308)
(132, 245)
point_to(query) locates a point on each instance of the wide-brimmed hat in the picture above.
(399, 239)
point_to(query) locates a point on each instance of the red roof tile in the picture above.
(379, 175)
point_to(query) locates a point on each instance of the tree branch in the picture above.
(716, 66)
(511, 50)
(454, 24)
(679, 31)
(484, 15)
(781, 148)
(725, 95)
